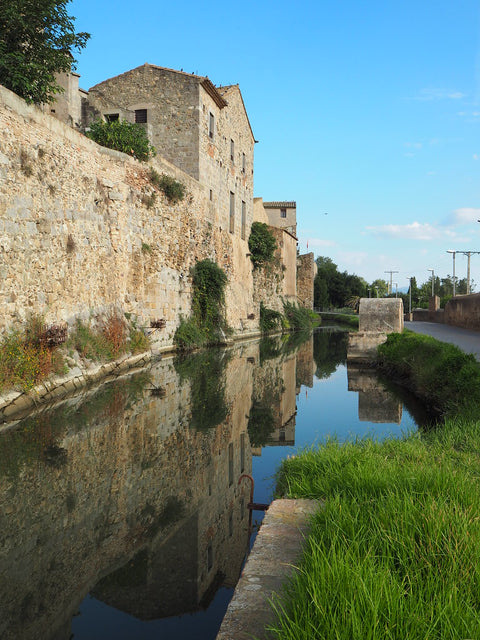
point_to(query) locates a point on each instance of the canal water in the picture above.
(124, 512)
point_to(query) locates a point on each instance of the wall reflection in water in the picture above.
(131, 493)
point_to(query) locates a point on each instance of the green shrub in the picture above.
(123, 136)
(298, 318)
(269, 319)
(189, 335)
(173, 190)
(261, 244)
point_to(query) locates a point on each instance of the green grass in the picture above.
(394, 552)
(445, 377)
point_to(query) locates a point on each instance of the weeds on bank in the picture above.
(113, 337)
(32, 354)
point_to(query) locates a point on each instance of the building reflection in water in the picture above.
(130, 493)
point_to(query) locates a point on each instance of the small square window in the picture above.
(112, 117)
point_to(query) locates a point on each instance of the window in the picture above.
(244, 163)
(112, 117)
(211, 195)
(230, 464)
(140, 116)
(211, 125)
(232, 212)
(232, 151)
(283, 213)
(244, 219)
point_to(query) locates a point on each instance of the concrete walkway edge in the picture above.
(275, 554)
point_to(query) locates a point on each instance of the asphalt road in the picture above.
(466, 340)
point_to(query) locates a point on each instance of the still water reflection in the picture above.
(121, 511)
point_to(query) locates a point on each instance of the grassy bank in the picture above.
(394, 553)
(345, 319)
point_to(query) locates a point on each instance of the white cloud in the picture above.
(412, 231)
(465, 215)
(435, 93)
(353, 259)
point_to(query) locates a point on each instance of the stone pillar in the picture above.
(433, 303)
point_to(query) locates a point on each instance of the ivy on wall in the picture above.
(207, 325)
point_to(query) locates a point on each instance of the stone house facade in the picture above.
(282, 215)
(202, 129)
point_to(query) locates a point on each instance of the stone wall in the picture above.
(306, 272)
(464, 311)
(79, 234)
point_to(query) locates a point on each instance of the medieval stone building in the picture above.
(202, 129)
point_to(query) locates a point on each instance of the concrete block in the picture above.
(381, 315)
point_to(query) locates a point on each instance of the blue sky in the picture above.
(367, 113)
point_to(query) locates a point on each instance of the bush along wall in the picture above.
(207, 324)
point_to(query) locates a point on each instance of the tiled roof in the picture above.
(281, 205)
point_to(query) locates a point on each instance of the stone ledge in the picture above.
(277, 549)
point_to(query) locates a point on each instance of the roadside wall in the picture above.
(79, 236)
(464, 311)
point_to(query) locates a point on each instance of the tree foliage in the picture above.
(37, 41)
(261, 243)
(333, 288)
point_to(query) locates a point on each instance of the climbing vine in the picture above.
(262, 244)
(207, 325)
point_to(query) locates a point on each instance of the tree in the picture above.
(379, 288)
(37, 40)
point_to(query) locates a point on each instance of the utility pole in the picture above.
(453, 256)
(390, 289)
(468, 254)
